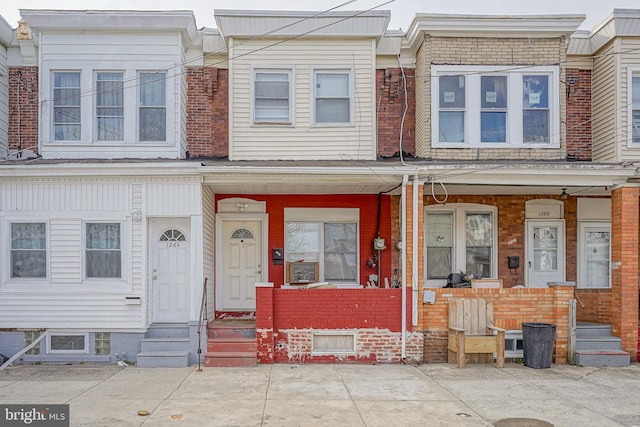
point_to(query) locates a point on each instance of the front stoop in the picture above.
(165, 346)
(600, 358)
(596, 347)
(231, 343)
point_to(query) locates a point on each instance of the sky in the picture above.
(402, 11)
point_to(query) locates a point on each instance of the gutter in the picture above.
(414, 255)
(403, 264)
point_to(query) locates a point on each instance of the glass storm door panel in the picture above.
(545, 253)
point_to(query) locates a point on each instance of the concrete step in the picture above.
(232, 345)
(602, 358)
(585, 329)
(598, 343)
(168, 331)
(163, 359)
(164, 344)
(229, 359)
(243, 328)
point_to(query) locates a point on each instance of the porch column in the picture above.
(625, 231)
(415, 225)
(264, 322)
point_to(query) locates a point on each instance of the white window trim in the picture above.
(312, 93)
(582, 226)
(276, 69)
(51, 116)
(6, 262)
(459, 211)
(514, 110)
(123, 243)
(95, 106)
(326, 216)
(630, 74)
(84, 335)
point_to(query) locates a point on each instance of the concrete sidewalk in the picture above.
(332, 395)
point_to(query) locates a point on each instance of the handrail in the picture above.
(203, 316)
(24, 350)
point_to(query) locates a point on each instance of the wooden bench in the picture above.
(471, 332)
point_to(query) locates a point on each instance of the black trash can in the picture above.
(537, 344)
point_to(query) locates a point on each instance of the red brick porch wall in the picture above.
(286, 320)
(511, 307)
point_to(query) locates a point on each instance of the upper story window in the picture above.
(153, 107)
(109, 106)
(634, 109)
(484, 107)
(66, 106)
(103, 250)
(28, 251)
(272, 96)
(333, 96)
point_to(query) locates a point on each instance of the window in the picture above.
(332, 96)
(272, 96)
(634, 110)
(488, 107)
(152, 107)
(66, 106)
(109, 107)
(459, 237)
(67, 343)
(595, 255)
(28, 250)
(327, 236)
(102, 342)
(103, 254)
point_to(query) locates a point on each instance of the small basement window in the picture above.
(513, 344)
(103, 343)
(67, 343)
(333, 342)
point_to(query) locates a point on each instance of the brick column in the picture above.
(625, 231)
(264, 322)
(414, 278)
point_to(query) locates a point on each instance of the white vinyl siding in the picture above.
(603, 105)
(65, 298)
(129, 54)
(208, 243)
(304, 141)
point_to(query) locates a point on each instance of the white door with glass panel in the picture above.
(170, 270)
(241, 264)
(545, 253)
(594, 256)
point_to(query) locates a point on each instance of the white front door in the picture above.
(241, 264)
(545, 253)
(170, 270)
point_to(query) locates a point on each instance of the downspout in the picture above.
(403, 263)
(414, 266)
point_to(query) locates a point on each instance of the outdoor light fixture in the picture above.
(564, 195)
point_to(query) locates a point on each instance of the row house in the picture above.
(305, 182)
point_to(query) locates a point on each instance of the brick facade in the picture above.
(578, 90)
(287, 319)
(395, 111)
(23, 108)
(483, 51)
(207, 112)
(511, 307)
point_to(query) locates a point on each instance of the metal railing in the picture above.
(24, 350)
(202, 318)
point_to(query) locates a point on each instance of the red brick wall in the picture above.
(207, 112)
(390, 102)
(511, 226)
(511, 307)
(625, 243)
(286, 320)
(368, 205)
(596, 306)
(578, 87)
(23, 108)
